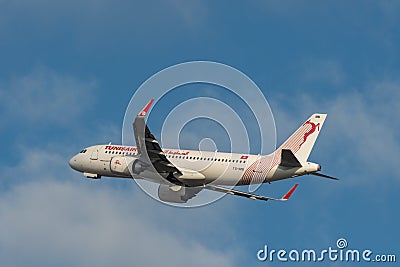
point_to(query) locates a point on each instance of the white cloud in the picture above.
(322, 70)
(35, 164)
(360, 139)
(49, 218)
(43, 96)
(94, 20)
(62, 224)
(192, 13)
(359, 125)
(368, 122)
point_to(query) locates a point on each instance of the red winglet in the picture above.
(290, 192)
(146, 108)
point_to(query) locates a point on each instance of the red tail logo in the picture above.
(307, 134)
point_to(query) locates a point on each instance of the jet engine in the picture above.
(137, 166)
(177, 193)
(174, 194)
(119, 166)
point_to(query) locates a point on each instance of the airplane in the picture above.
(182, 174)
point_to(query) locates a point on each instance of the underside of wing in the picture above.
(249, 195)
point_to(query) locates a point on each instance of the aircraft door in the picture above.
(95, 154)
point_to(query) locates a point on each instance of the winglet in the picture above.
(146, 108)
(290, 192)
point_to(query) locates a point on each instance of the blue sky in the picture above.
(68, 70)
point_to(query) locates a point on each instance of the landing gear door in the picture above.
(95, 154)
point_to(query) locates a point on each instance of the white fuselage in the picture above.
(210, 167)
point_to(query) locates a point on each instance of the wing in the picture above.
(150, 152)
(149, 149)
(249, 195)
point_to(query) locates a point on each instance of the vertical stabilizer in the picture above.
(302, 141)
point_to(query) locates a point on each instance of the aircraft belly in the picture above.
(150, 176)
(226, 174)
(94, 166)
(279, 173)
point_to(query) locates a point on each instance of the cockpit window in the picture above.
(83, 151)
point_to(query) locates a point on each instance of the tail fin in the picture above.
(302, 141)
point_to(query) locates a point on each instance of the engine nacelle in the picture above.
(175, 194)
(137, 166)
(119, 165)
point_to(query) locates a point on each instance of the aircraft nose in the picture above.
(73, 163)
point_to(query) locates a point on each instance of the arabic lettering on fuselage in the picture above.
(133, 149)
(176, 152)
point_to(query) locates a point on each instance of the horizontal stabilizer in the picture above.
(324, 176)
(288, 159)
